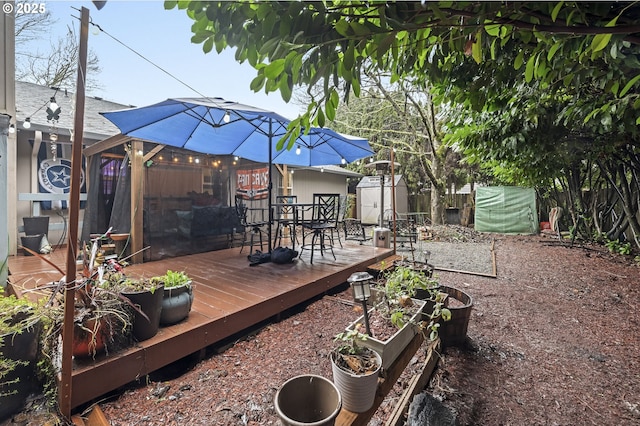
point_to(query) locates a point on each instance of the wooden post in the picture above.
(74, 212)
(393, 199)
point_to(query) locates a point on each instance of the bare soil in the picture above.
(553, 340)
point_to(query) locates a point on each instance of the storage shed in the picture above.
(368, 193)
(506, 210)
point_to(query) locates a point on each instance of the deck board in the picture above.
(230, 296)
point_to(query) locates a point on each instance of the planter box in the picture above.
(391, 348)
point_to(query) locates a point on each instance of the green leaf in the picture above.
(528, 72)
(492, 29)
(286, 88)
(556, 10)
(553, 51)
(330, 110)
(257, 83)
(208, 45)
(630, 84)
(615, 87)
(384, 45)
(600, 41)
(342, 27)
(476, 48)
(320, 117)
(519, 60)
(349, 56)
(274, 69)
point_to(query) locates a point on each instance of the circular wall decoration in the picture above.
(55, 175)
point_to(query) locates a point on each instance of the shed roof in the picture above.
(374, 181)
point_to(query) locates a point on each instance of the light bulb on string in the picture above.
(343, 161)
(298, 150)
(227, 117)
(27, 123)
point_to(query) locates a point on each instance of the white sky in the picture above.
(163, 37)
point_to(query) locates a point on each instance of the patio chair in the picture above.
(253, 219)
(285, 216)
(320, 227)
(355, 230)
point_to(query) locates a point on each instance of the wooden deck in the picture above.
(230, 296)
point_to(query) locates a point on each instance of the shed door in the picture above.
(369, 201)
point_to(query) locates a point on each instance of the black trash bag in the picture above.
(283, 255)
(258, 257)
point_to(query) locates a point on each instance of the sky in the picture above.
(164, 38)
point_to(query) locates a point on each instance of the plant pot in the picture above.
(91, 338)
(358, 391)
(392, 347)
(32, 242)
(20, 382)
(35, 225)
(176, 304)
(149, 302)
(454, 331)
(308, 400)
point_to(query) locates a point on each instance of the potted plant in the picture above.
(177, 296)
(355, 370)
(398, 315)
(459, 305)
(146, 295)
(21, 324)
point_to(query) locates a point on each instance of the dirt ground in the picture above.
(553, 340)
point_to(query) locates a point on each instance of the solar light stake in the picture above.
(361, 286)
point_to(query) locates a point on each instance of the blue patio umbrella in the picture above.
(219, 127)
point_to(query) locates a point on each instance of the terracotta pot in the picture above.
(90, 339)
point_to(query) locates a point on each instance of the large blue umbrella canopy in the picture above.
(220, 127)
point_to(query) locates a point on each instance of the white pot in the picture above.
(358, 391)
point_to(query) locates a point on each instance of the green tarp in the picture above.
(506, 210)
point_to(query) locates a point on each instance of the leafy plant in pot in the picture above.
(355, 370)
(406, 280)
(177, 296)
(21, 325)
(397, 316)
(146, 295)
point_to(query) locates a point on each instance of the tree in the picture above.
(482, 58)
(400, 118)
(57, 67)
(334, 42)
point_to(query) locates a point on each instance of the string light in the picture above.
(227, 117)
(298, 150)
(12, 128)
(27, 123)
(343, 161)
